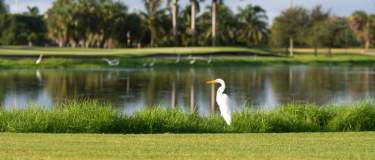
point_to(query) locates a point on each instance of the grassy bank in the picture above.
(96, 52)
(190, 146)
(19, 57)
(139, 62)
(92, 117)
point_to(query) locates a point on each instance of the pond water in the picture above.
(131, 90)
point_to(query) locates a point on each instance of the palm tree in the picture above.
(151, 17)
(363, 24)
(174, 19)
(194, 9)
(32, 11)
(253, 21)
(226, 30)
(214, 20)
(3, 7)
(113, 17)
(174, 16)
(59, 19)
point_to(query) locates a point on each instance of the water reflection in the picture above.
(131, 90)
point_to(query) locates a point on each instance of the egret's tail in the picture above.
(227, 119)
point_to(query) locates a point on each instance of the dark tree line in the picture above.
(22, 29)
(109, 24)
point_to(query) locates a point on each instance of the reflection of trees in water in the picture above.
(13, 82)
(79, 85)
(361, 80)
(186, 87)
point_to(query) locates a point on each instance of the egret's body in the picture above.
(223, 101)
(192, 61)
(178, 59)
(152, 63)
(209, 60)
(113, 62)
(39, 59)
(149, 64)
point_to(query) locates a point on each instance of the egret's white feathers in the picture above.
(39, 59)
(223, 102)
(224, 105)
(112, 62)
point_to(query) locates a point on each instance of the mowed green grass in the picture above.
(136, 58)
(53, 51)
(360, 145)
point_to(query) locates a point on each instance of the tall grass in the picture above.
(94, 117)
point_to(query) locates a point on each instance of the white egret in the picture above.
(222, 101)
(192, 61)
(152, 63)
(39, 59)
(113, 62)
(209, 60)
(178, 59)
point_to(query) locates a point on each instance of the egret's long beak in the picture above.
(211, 82)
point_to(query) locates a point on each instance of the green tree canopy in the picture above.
(22, 30)
(153, 18)
(363, 26)
(3, 7)
(315, 33)
(226, 26)
(87, 23)
(289, 25)
(253, 25)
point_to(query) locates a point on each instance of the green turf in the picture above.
(52, 51)
(294, 146)
(135, 58)
(138, 62)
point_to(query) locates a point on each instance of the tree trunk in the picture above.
(316, 51)
(174, 20)
(291, 47)
(213, 95)
(214, 3)
(193, 15)
(73, 43)
(61, 42)
(173, 95)
(152, 43)
(330, 51)
(192, 98)
(367, 46)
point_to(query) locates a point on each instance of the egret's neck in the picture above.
(221, 89)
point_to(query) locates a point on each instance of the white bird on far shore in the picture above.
(113, 62)
(39, 59)
(209, 61)
(178, 59)
(192, 60)
(151, 64)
